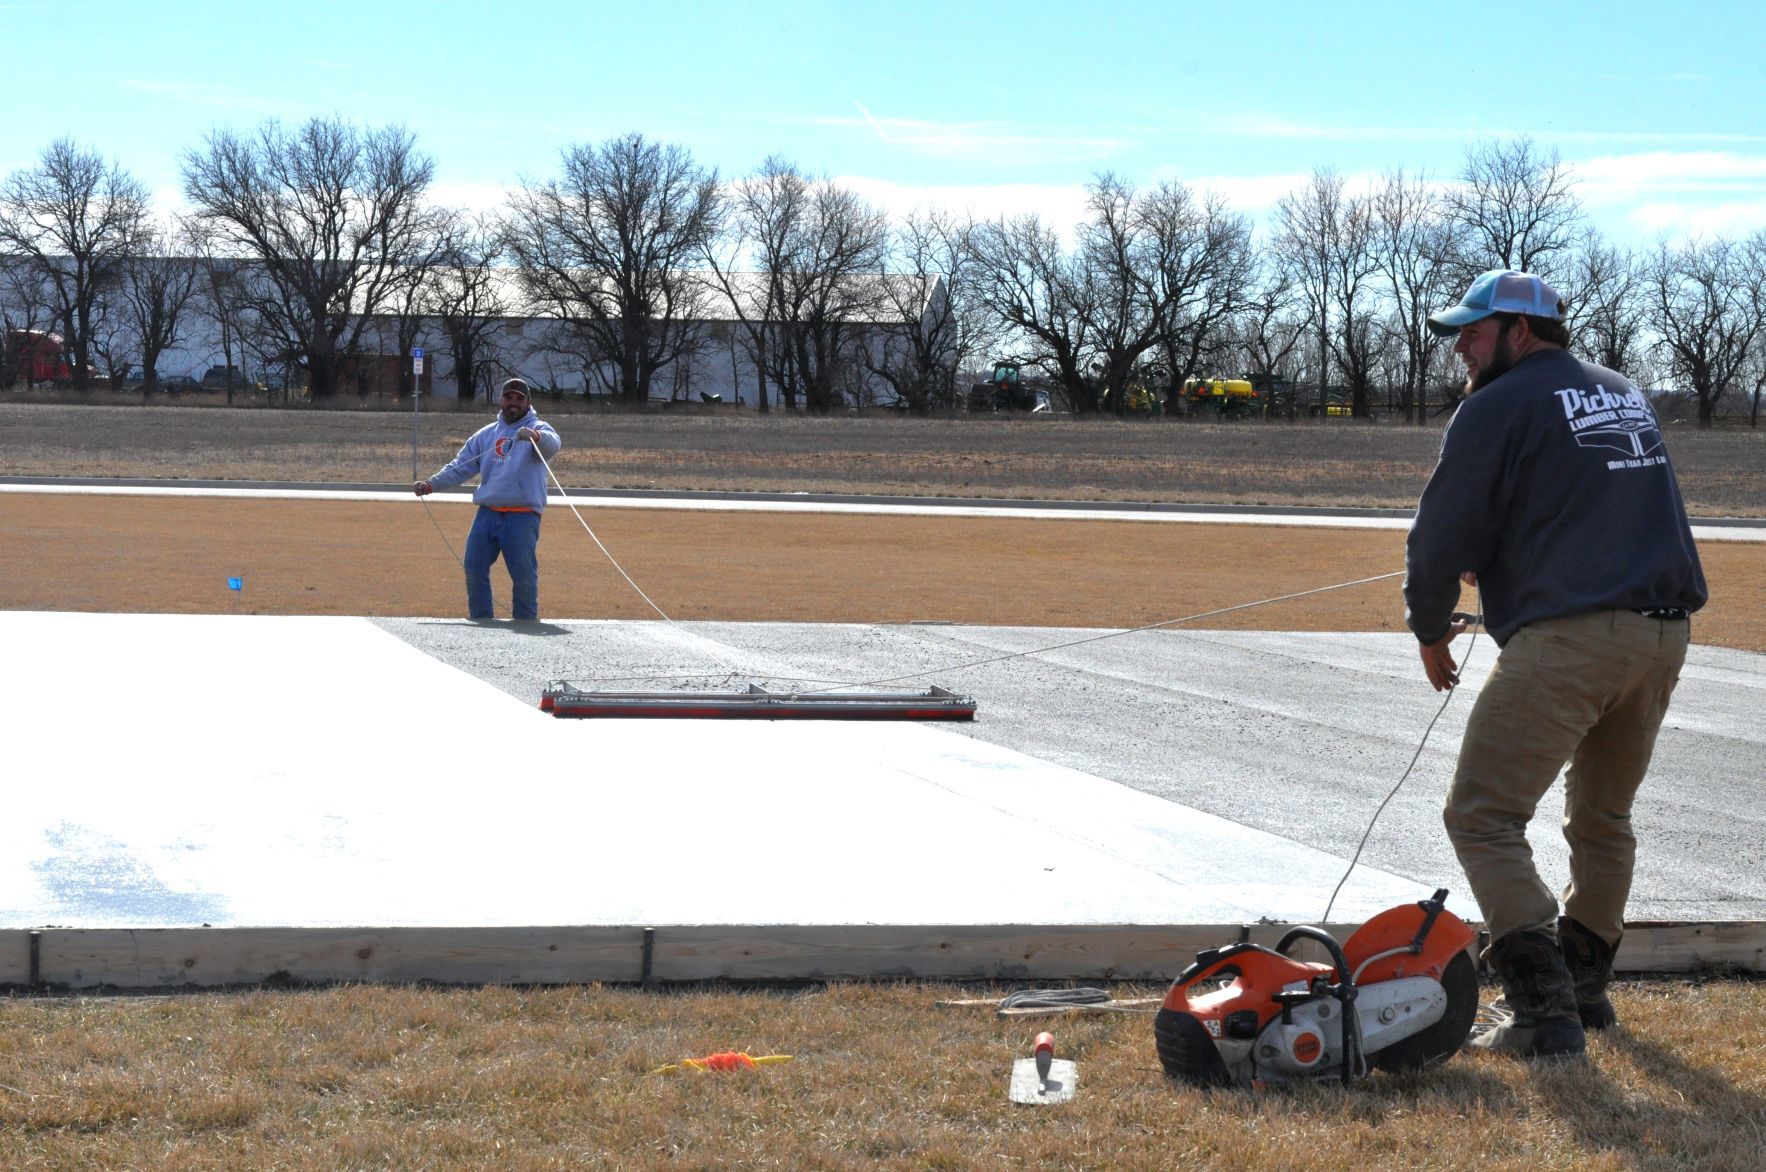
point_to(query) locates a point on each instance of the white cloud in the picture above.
(1255, 195)
(1680, 219)
(1677, 193)
(470, 196)
(1672, 170)
(1060, 205)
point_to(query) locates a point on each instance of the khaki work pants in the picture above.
(1590, 690)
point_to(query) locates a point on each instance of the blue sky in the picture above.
(989, 106)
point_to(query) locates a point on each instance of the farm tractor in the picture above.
(1006, 391)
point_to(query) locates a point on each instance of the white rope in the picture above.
(1206, 614)
(837, 685)
(450, 545)
(614, 562)
(1414, 758)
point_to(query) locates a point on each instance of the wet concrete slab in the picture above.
(242, 770)
(1297, 735)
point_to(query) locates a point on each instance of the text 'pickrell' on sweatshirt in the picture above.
(510, 474)
(1554, 487)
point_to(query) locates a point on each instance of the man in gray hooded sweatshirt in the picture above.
(511, 495)
(1554, 496)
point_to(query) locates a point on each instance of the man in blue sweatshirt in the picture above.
(1553, 495)
(511, 495)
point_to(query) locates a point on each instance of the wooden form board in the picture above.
(1668, 947)
(15, 958)
(153, 958)
(159, 958)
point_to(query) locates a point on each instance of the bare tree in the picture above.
(1166, 267)
(326, 215)
(158, 285)
(1031, 284)
(1358, 340)
(220, 299)
(1416, 246)
(1323, 240)
(1267, 330)
(1707, 301)
(818, 249)
(75, 220)
(1756, 377)
(765, 208)
(1518, 206)
(1208, 273)
(1604, 294)
(610, 245)
(407, 305)
(829, 296)
(1756, 270)
(929, 327)
(467, 294)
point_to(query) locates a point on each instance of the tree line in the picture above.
(302, 246)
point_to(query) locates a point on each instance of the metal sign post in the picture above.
(416, 397)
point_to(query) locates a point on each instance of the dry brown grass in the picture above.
(362, 1077)
(1722, 473)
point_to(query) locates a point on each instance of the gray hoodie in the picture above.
(1554, 487)
(510, 474)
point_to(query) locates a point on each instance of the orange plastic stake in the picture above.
(723, 1061)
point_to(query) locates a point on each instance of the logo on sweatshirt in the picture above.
(1621, 423)
(502, 446)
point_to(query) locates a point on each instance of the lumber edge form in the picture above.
(161, 958)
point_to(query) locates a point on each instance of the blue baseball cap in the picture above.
(1499, 291)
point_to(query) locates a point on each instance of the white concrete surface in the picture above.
(1300, 735)
(232, 770)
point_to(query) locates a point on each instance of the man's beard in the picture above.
(1502, 360)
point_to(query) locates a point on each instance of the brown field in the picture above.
(359, 1077)
(1722, 472)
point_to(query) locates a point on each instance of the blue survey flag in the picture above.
(236, 583)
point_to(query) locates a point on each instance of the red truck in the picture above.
(35, 357)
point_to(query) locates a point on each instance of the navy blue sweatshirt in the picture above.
(1554, 487)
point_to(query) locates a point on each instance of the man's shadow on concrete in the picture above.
(513, 626)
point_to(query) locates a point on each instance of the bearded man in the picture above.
(1553, 495)
(509, 456)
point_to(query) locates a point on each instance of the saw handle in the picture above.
(1343, 991)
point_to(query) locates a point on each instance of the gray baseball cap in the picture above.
(1499, 291)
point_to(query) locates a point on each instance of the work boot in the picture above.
(1590, 961)
(1541, 997)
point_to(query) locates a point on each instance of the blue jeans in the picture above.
(515, 536)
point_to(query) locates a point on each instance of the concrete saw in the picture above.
(1401, 993)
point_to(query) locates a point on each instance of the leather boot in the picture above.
(1590, 961)
(1541, 997)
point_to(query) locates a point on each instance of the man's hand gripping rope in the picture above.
(1438, 661)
